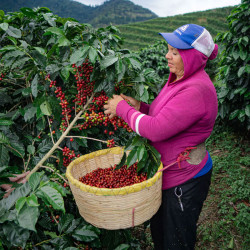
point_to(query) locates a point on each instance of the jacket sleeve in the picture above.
(144, 108)
(182, 111)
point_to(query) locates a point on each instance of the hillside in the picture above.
(141, 34)
(113, 11)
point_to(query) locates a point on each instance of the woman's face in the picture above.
(175, 62)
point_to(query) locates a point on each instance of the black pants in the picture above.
(173, 227)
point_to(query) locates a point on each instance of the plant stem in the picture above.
(88, 138)
(40, 163)
(55, 172)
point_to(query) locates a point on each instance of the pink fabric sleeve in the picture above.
(144, 108)
(181, 112)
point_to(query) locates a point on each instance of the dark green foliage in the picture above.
(234, 90)
(153, 57)
(35, 43)
(110, 12)
(225, 222)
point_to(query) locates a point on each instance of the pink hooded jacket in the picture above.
(181, 116)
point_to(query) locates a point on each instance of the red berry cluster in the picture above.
(84, 85)
(2, 75)
(68, 156)
(94, 116)
(111, 143)
(113, 178)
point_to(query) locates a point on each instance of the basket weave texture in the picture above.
(116, 208)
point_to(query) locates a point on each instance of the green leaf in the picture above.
(234, 114)
(223, 92)
(13, 53)
(27, 217)
(5, 123)
(241, 71)
(79, 54)
(84, 234)
(123, 247)
(136, 64)
(40, 50)
(63, 191)
(145, 96)
(52, 68)
(107, 86)
(65, 72)
(247, 110)
(120, 69)
(235, 54)
(3, 168)
(156, 155)
(8, 48)
(132, 157)
(53, 197)
(141, 152)
(30, 113)
(53, 235)
(32, 201)
(54, 30)
(20, 62)
(18, 192)
(45, 108)
(34, 85)
(108, 61)
(35, 179)
(13, 40)
(92, 55)
(31, 149)
(4, 26)
(15, 234)
(3, 139)
(243, 55)
(17, 148)
(231, 244)
(63, 41)
(28, 12)
(45, 146)
(48, 18)
(122, 162)
(67, 224)
(141, 165)
(20, 203)
(14, 32)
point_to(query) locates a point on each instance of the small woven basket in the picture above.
(116, 208)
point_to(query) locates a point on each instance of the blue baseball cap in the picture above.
(191, 36)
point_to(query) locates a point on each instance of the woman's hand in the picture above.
(135, 104)
(111, 106)
(19, 178)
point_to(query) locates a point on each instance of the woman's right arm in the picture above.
(139, 106)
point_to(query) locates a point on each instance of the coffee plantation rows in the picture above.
(55, 76)
(141, 34)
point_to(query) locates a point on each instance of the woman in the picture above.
(181, 116)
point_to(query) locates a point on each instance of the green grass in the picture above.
(141, 34)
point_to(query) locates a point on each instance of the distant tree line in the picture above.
(111, 12)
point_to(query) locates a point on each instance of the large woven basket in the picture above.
(116, 208)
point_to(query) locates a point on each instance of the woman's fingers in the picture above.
(19, 176)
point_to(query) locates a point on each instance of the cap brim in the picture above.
(175, 41)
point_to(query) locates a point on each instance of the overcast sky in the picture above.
(165, 8)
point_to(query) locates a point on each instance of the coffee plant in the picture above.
(234, 68)
(56, 75)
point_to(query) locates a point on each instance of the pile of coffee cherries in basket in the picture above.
(113, 178)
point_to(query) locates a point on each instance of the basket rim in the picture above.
(109, 191)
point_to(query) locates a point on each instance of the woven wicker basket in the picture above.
(116, 208)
